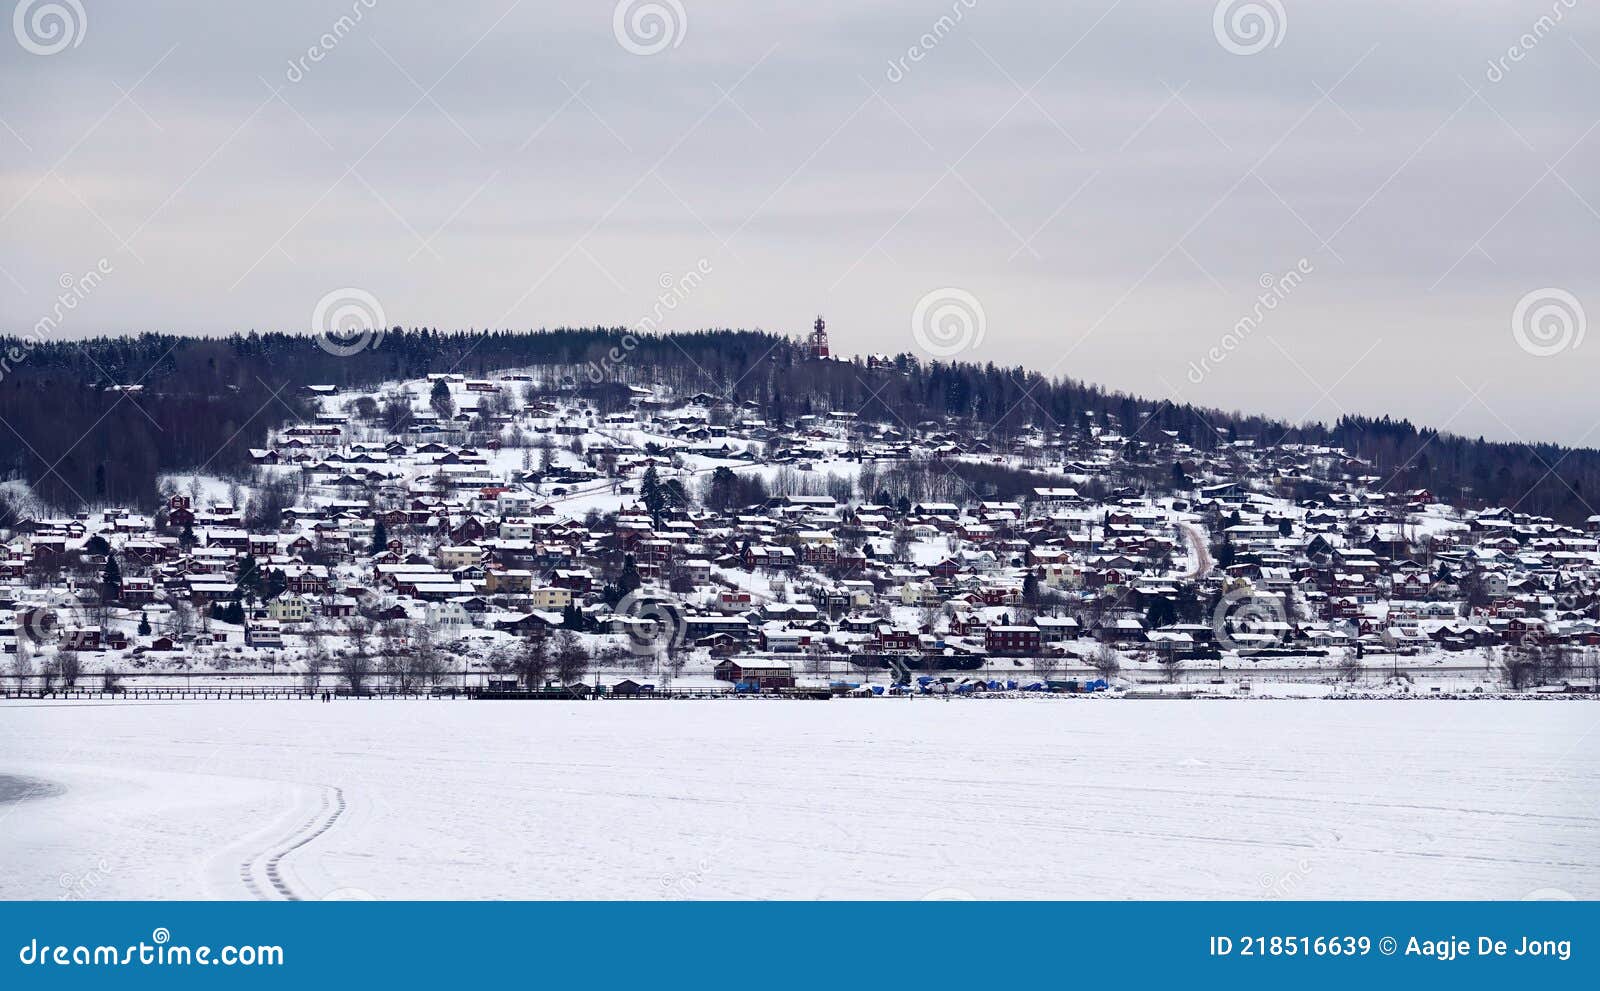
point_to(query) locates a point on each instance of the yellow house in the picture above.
(551, 597)
(289, 608)
(463, 556)
(512, 580)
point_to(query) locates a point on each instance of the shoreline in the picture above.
(163, 696)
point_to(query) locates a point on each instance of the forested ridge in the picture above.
(71, 429)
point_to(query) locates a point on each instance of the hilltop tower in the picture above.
(817, 344)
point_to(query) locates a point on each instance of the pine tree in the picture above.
(248, 579)
(1225, 554)
(675, 494)
(724, 490)
(276, 584)
(111, 580)
(440, 400)
(629, 581)
(1030, 588)
(1161, 612)
(651, 494)
(144, 624)
(380, 537)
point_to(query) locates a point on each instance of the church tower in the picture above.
(818, 343)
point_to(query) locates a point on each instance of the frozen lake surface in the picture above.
(15, 789)
(764, 799)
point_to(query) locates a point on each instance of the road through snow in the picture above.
(1196, 539)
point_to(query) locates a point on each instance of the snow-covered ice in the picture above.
(879, 798)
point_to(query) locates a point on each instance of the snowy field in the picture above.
(902, 799)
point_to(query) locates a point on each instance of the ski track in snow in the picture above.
(264, 873)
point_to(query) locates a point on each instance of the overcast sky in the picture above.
(1098, 189)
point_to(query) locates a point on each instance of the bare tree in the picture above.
(1350, 668)
(1170, 663)
(316, 662)
(1106, 662)
(1528, 664)
(355, 664)
(22, 663)
(395, 656)
(901, 544)
(501, 659)
(181, 619)
(70, 666)
(571, 659)
(533, 662)
(427, 661)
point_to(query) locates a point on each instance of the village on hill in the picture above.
(507, 534)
